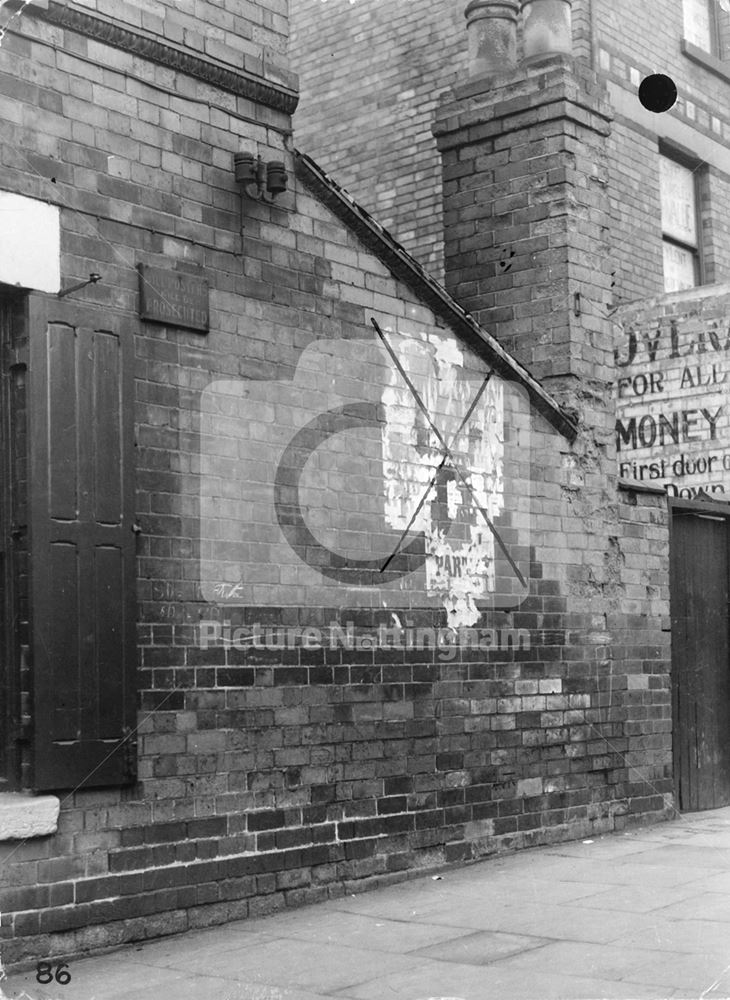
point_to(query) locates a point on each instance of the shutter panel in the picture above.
(82, 544)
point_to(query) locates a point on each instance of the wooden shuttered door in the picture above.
(700, 592)
(82, 545)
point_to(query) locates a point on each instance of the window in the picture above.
(703, 25)
(680, 231)
(698, 18)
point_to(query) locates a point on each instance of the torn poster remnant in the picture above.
(459, 480)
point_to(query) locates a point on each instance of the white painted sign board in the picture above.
(30, 243)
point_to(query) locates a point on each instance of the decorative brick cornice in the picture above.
(248, 85)
(557, 88)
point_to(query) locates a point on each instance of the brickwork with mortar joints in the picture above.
(372, 127)
(269, 778)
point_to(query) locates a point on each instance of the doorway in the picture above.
(700, 589)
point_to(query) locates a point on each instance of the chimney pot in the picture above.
(492, 29)
(547, 29)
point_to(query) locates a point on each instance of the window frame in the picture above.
(14, 735)
(716, 35)
(715, 30)
(697, 166)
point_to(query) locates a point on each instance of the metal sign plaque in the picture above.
(173, 297)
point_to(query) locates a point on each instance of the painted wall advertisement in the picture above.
(673, 392)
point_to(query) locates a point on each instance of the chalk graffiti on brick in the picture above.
(228, 591)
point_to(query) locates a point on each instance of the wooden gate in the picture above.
(700, 653)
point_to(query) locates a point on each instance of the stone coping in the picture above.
(24, 815)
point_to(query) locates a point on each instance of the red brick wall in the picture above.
(270, 778)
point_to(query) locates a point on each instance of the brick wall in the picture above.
(645, 703)
(620, 27)
(371, 76)
(714, 192)
(372, 128)
(381, 149)
(636, 251)
(696, 126)
(242, 34)
(525, 176)
(269, 777)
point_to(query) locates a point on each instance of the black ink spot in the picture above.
(658, 93)
(505, 258)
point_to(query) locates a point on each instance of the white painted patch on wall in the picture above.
(459, 543)
(30, 243)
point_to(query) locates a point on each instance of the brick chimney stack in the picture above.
(526, 208)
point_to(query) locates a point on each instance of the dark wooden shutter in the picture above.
(82, 544)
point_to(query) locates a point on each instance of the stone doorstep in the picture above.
(24, 815)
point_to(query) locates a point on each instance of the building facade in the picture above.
(372, 75)
(555, 190)
(308, 579)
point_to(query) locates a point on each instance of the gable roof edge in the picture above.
(404, 267)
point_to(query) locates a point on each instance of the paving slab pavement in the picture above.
(640, 915)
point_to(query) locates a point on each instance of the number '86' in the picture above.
(45, 973)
